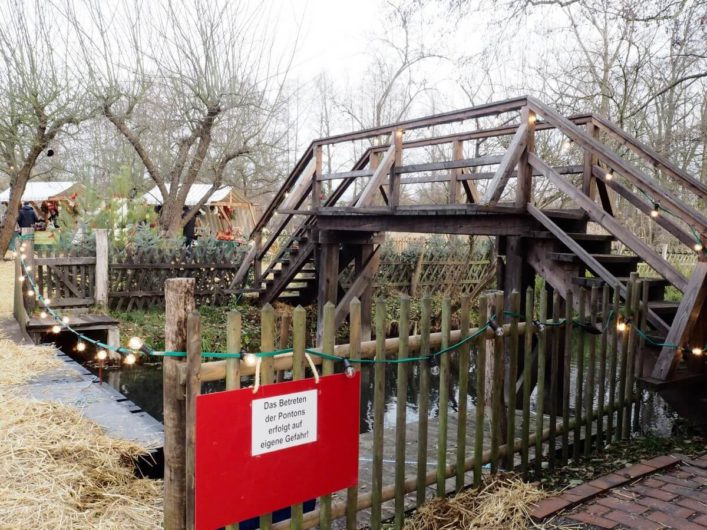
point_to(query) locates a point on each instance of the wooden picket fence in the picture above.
(574, 393)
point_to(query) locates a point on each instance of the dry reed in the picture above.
(59, 470)
(502, 503)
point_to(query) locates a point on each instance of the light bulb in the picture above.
(102, 355)
(80, 346)
(56, 329)
(698, 247)
(348, 369)
(249, 359)
(28, 268)
(65, 320)
(135, 343)
(43, 314)
(539, 325)
(609, 175)
(654, 212)
(47, 301)
(23, 256)
(20, 278)
(498, 330)
(621, 326)
(30, 293)
(130, 358)
(696, 350)
(434, 370)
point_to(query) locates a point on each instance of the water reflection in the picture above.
(143, 385)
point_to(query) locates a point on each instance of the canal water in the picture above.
(142, 384)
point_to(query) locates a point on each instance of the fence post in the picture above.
(101, 278)
(354, 354)
(29, 266)
(193, 389)
(179, 302)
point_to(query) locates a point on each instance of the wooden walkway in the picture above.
(664, 492)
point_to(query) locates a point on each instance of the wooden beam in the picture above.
(328, 277)
(394, 176)
(689, 311)
(657, 160)
(360, 284)
(680, 209)
(376, 181)
(632, 241)
(457, 154)
(524, 184)
(646, 208)
(508, 163)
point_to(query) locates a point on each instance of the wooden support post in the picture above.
(299, 344)
(400, 412)
(234, 324)
(480, 395)
(463, 390)
(589, 160)
(101, 278)
(498, 417)
(367, 295)
(527, 378)
(267, 375)
(444, 386)
(604, 341)
(328, 340)
(193, 389)
(378, 416)
(179, 302)
(569, 313)
(579, 382)
(328, 272)
(524, 186)
(512, 376)
(394, 187)
(542, 363)
(457, 154)
(316, 183)
(554, 377)
(591, 368)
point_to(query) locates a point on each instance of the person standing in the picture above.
(27, 216)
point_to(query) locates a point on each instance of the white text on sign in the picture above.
(284, 421)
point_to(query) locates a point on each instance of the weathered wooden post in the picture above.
(193, 389)
(101, 278)
(394, 182)
(179, 302)
(28, 252)
(354, 355)
(525, 172)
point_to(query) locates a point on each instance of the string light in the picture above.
(539, 325)
(47, 301)
(250, 359)
(28, 268)
(30, 293)
(80, 346)
(20, 278)
(102, 355)
(348, 369)
(654, 212)
(130, 359)
(609, 175)
(43, 314)
(697, 351)
(65, 320)
(498, 330)
(135, 343)
(698, 247)
(56, 329)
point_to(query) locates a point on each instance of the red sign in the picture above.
(290, 442)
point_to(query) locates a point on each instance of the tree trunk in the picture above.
(13, 207)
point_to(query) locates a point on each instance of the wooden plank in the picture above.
(656, 159)
(378, 412)
(613, 363)
(179, 303)
(554, 376)
(267, 374)
(444, 384)
(527, 380)
(540, 400)
(376, 180)
(512, 376)
(579, 379)
(601, 390)
(509, 161)
(591, 361)
(354, 355)
(497, 386)
(193, 389)
(686, 213)
(66, 261)
(463, 390)
(400, 410)
(423, 404)
(566, 373)
(632, 241)
(631, 355)
(480, 396)
(685, 321)
(457, 154)
(328, 340)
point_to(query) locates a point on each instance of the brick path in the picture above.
(664, 492)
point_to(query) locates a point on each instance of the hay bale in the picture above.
(502, 503)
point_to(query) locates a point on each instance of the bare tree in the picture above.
(38, 96)
(194, 89)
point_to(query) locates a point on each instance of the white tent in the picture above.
(43, 191)
(196, 192)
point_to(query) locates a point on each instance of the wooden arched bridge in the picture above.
(322, 219)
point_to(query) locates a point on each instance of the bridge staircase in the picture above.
(320, 222)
